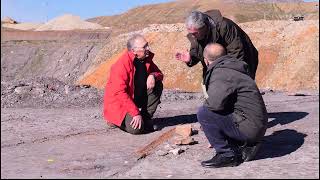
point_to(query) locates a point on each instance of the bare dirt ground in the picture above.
(53, 140)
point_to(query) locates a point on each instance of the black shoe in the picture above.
(148, 129)
(250, 151)
(150, 126)
(156, 127)
(221, 161)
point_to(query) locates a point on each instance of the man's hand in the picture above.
(136, 122)
(151, 81)
(183, 56)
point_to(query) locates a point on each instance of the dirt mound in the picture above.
(23, 26)
(68, 22)
(8, 20)
(288, 54)
(97, 74)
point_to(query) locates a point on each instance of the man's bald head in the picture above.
(213, 51)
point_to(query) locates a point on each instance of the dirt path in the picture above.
(75, 142)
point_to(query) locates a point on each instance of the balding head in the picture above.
(213, 51)
(135, 40)
(139, 46)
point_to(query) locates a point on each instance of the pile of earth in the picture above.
(68, 22)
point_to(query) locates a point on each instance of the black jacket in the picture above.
(229, 35)
(231, 90)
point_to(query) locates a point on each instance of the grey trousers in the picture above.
(146, 112)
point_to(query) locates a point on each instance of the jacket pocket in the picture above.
(238, 118)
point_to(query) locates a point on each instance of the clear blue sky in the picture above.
(41, 10)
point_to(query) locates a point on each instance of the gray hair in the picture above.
(196, 19)
(132, 39)
(213, 51)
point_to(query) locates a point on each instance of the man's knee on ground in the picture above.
(134, 131)
(127, 127)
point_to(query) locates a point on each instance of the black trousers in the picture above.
(221, 131)
(146, 112)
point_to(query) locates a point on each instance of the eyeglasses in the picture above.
(145, 47)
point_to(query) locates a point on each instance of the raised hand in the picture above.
(151, 81)
(183, 56)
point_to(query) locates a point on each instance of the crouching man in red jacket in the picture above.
(134, 88)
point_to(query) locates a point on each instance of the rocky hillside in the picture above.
(175, 12)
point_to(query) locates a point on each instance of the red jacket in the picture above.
(119, 91)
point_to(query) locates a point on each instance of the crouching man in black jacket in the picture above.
(234, 116)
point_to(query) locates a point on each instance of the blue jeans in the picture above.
(221, 131)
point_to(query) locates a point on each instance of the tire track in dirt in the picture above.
(58, 137)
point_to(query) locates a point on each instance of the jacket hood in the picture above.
(230, 63)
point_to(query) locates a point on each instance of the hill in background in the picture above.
(175, 12)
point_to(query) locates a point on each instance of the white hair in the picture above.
(132, 39)
(196, 19)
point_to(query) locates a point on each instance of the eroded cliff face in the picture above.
(65, 61)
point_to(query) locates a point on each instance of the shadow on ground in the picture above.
(175, 120)
(278, 118)
(283, 142)
(280, 143)
(284, 117)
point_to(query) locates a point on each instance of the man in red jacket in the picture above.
(134, 88)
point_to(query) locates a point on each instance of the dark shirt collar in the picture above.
(132, 56)
(217, 61)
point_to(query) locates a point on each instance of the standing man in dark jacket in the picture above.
(234, 116)
(214, 28)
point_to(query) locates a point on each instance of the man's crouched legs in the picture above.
(128, 128)
(146, 112)
(154, 96)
